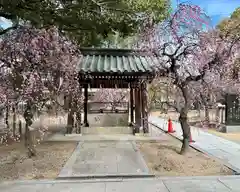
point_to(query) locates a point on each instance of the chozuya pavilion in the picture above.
(121, 69)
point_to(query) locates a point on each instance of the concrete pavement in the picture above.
(170, 184)
(227, 151)
(105, 159)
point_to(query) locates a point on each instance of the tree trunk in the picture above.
(28, 134)
(206, 115)
(186, 132)
(6, 117)
(14, 120)
(184, 120)
(70, 118)
(70, 122)
(79, 124)
(29, 142)
(206, 109)
(20, 128)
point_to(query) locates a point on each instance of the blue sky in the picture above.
(4, 23)
(216, 9)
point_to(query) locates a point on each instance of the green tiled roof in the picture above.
(121, 61)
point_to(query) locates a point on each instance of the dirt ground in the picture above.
(163, 159)
(51, 157)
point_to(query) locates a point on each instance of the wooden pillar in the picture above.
(140, 106)
(131, 106)
(137, 109)
(144, 94)
(85, 105)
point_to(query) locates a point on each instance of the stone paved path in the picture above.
(225, 150)
(105, 159)
(170, 184)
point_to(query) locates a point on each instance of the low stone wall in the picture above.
(193, 115)
(233, 129)
(108, 120)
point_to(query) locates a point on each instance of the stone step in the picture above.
(106, 130)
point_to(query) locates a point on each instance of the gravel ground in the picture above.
(164, 160)
(51, 157)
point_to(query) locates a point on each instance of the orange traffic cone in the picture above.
(170, 127)
(190, 138)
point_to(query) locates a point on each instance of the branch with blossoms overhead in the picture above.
(111, 97)
(42, 57)
(188, 52)
(185, 23)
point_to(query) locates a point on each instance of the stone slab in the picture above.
(25, 187)
(233, 184)
(112, 158)
(75, 187)
(101, 168)
(160, 184)
(211, 185)
(223, 155)
(137, 186)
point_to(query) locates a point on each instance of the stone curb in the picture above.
(67, 169)
(46, 181)
(106, 176)
(140, 157)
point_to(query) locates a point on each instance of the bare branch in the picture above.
(4, 31)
